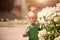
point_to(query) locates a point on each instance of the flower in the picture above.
(47, 19)
(55, 19)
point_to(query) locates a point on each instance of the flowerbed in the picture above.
(49, 17)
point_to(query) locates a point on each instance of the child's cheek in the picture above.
(31, 21)
(35, 20)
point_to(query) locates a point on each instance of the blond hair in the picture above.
(30, 14)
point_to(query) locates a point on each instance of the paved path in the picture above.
(12, 33)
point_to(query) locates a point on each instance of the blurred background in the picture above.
(21, 7)
(13, 17)
(16, 10)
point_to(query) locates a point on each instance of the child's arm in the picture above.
(27, 32)
(24, 35)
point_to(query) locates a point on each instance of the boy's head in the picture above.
(32, 17)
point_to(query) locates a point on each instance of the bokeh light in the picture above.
(42, 1)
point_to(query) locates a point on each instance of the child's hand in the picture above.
(24, 35)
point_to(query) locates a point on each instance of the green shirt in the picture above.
(32, 31)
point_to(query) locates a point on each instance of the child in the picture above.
(32, 28)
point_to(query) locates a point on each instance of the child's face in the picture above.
(33, 19)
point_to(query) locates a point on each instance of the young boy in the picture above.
(32, 28)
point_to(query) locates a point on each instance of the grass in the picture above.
(14, 22)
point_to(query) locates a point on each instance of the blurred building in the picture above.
(20, 8)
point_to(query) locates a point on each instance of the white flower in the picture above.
(49, 22)
(48, 32)
(55, 19)
(41, 21)
(58, 13)
(48, 12)
(58, 5)
(57, 38)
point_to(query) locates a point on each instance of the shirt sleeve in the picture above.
(27, 31)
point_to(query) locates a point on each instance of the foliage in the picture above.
(50, 18)
(53, 29)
